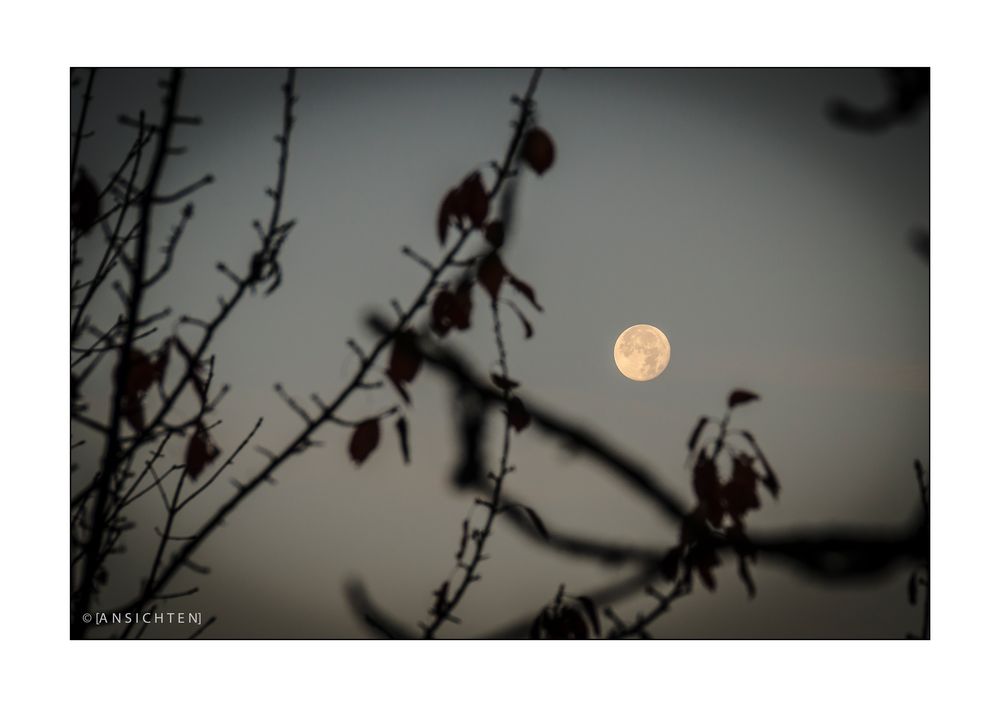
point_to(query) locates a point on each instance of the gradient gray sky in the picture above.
(718, 205)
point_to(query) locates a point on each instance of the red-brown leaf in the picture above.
(442, 310)
(517, 414)
(364, 440)
(696, 433)
(405, 359)
(740, 397)
(708, 489)
(491, 274)
(200, 451)
(495, 233)
(525, 289)
(538, 150)
(740, 492)
(529, 331)
(452, 309)
(132, 409)
(142, 373)
(449, 208)
(461, 315)
(770, 480)
(474, 202)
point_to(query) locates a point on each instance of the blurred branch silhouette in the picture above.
(833, 554)
(908, 92)
(98, 521)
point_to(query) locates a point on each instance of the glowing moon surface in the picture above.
(642, 352)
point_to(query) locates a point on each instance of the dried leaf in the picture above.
(400, 389)
(740, 397)
(452, 309)
(529, 331)
(405, 359)
(461, 315)
(740, 492)
(517, 414)
(770, 480)
(491, 273)
(142, 373)
(495, 233)
(200, 451)
(474, 202)
(538, 150)
(132, 409)
(364, 440)
(404, 438)
(525, 289)
(696, 433)
(441, 312)
(703, 558)
(449, 209)
(708, 489)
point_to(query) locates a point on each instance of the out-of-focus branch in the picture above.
(832, 553)
(576, 436)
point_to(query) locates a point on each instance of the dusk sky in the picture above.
(721, 206)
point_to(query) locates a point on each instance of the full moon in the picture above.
(642, 352)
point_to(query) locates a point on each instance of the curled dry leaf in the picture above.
(405, 360)
(200, 451)
(538, 150)
(491, 274)
(770, 480)
(525, 289)
(452, 310)
(468, 201)
(708, 489)
(364, 440)
(529, 330)
(740, 492)
(740, 397)
(696, 433)
(495, 233)
(517, 414)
